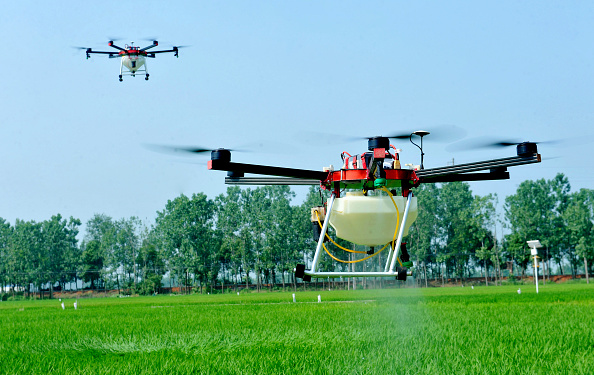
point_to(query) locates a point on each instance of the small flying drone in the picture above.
(133, 58)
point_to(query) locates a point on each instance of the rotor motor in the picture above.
(221, 154)
(526, 149)
(378, 142)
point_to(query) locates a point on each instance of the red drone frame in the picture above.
(133, 58)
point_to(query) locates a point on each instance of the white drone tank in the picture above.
(133, 62)
(370, 220)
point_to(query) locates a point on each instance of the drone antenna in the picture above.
(420, 133)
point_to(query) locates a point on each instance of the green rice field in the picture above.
(458, 330)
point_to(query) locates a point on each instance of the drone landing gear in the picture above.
(402, 273)
(146, 78)
(300, 272)
(121, 78)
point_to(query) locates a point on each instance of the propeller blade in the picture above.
(183, 149)
(195, 150)
(178, 149)
(442, 133)
(489, 143)
(504, 144)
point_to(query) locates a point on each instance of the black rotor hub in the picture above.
(221, 154)
(378, 142)
(526, 149)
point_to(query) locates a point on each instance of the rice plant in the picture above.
(485, 330)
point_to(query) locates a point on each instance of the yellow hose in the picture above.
(337, 245)
(353, 261)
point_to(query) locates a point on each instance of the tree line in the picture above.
(456, 232)
(256, 237)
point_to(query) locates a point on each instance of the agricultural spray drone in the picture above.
(132, 58)
(364, 219)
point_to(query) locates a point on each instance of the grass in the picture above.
(485, 330)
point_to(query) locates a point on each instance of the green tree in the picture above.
(585, 250)
(5, 239)
(529, 213)
(535, 211)
(126, 247)
(426, 233)
(231, 224)
(58, 250)
(578, 217)
(152, 267)
(102, 228)
(26, 258)
(92, 262)
(465, 219)
(281, 237)
(255, 210)
(185, 230)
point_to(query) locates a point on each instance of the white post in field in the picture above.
(534, 244)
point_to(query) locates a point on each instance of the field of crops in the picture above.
(485, 330)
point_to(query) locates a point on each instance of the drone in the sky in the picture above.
(133, 58)
(373, 220)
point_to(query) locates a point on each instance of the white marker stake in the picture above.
(519, 291)
(294, 298)
(319, 298)
(76, 305)
(536, 272)
(534, 244)
(63, 308)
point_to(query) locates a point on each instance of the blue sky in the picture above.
(269, 76)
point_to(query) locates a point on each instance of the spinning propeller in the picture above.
(490, 143)
(442, 133)
(186, 149)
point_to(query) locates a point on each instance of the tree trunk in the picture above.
(486, 273)
(257, 279)
(425, 273)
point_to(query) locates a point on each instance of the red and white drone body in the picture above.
(133, 58)
(376, 169)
